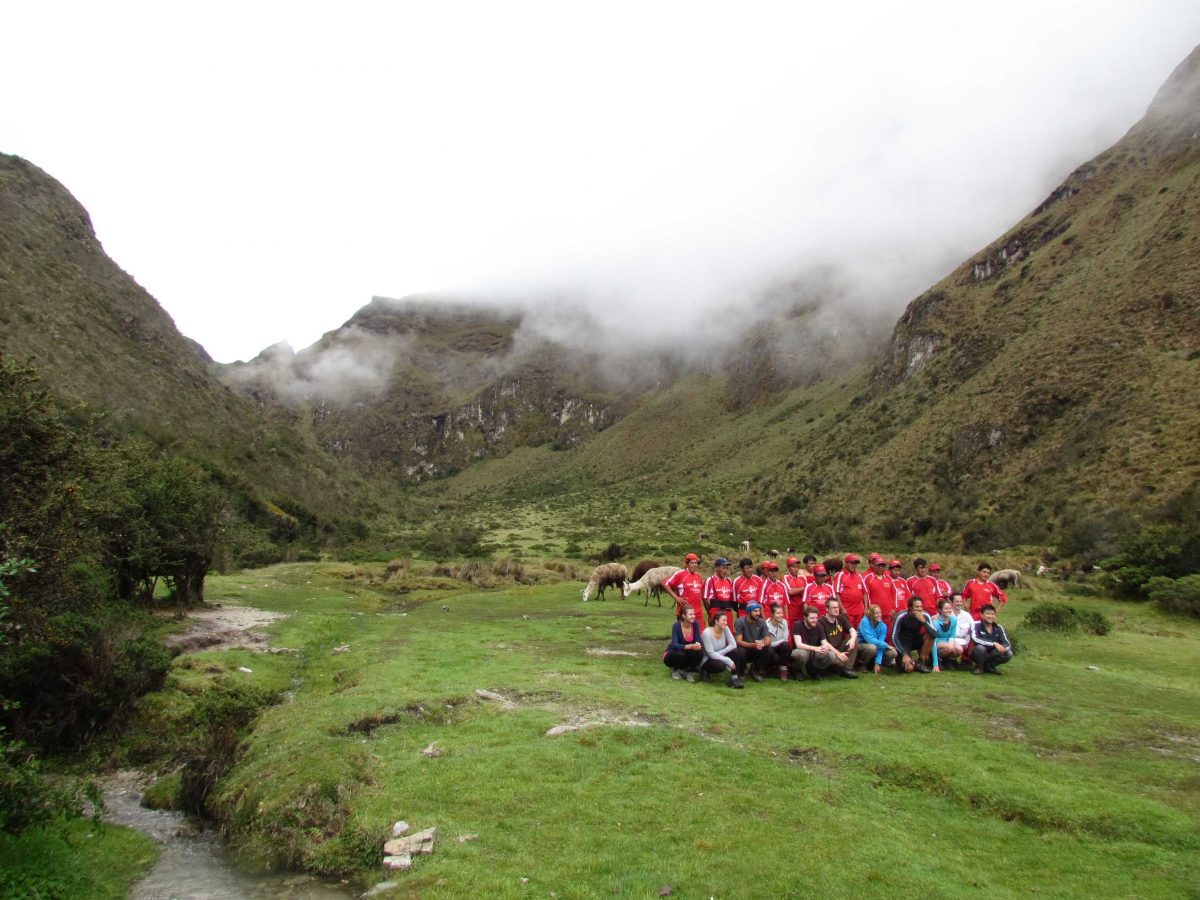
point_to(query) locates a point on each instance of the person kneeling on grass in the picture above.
(945, 628)
(753, 637)
(912, 636)
(781, 641)
(685, 653)
(721, 652)
(992, 646)
(873, 646)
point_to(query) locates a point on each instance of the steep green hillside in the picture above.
(1048, 388)
(99, 339)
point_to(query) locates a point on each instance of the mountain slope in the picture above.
(97, 338)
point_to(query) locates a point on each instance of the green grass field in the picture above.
(1057, 778)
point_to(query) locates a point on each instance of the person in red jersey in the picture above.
(851, 589)
(795, 581)
(945, 592)
(923, 585)
(718, 591)
(903, 591)
(979, 591)
(687, 587)
(881, 589)
(747, 586)
(819, 592)
(775, 591)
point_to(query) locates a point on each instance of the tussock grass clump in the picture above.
(508, 568)
(397, 567)
(476, 572)
(1063, 617)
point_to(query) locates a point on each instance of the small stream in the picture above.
(194, 864)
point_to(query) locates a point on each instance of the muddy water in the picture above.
(194, 865)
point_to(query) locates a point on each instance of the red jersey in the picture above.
(817, 595)
(775, 592)
(881, 591)
(944, 589)
(745, 590)
(796, 585)
(976, 593)
(851, 589)
(927, 589)
(718, 594)
(687, 587)
(903, 593)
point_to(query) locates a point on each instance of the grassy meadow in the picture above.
(1073, 774)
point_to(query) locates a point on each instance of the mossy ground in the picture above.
(1057, 778)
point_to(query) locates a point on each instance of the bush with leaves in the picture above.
(1177, 595)
(1063, 617)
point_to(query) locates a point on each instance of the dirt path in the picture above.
(220, 627)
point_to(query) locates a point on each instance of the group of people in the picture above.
(803, 625)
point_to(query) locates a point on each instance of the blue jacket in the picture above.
(875, 635)
(677, 636)
(942, 631)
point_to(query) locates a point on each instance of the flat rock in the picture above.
(420, 843)
(244, 669)
(604, 651)
(561, 729)
(401, 861)
(463, 838)
(382, 888)
(488, 695)
(432, 751)
(400, 828)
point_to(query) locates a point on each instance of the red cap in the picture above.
(895, 564)
(691, 557)
(792, 561)
(934, 567)
(771, 567)
(818, 569)
(851, 557)
(875, 557)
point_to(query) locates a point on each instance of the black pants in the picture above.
(716, 667)
(989, 658)
(689, 660)
(781, 656)
(762, 658)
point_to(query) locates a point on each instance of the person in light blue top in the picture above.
(872, 639)
(945, 629)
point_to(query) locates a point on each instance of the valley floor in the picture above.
(1074, 774)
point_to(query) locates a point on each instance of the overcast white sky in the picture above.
(263, 169)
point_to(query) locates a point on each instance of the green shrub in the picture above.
(1177, 595)
(1064, 618)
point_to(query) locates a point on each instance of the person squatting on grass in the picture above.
(781, 641)
(945, 631)
(992, 646)
(912, 636)
(754, 639)
(685, 654)
(722, 650)
(841, 637)
(811, 654)
(874, 648)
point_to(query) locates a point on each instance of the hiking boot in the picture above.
(691, 677)
(736, 682)
(977, 671)
(676, 674)
(846, 673)
(783, 674)
(756, 675)
(924, 667)
(992, 672)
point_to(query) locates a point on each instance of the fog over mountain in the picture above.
(266, 171)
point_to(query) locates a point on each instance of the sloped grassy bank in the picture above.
(1073, 774)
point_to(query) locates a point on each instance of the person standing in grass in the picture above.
(979, 592)
(819, 591)
(881, 589)
(851, 589)
(903, 591)
(747, 586)
(721, 652)
(992, 646)
(873, 646)
(795, 581)
(912, 636)
(841, 637)
(774, 590)
(718, 590)
(685, 653)
(780, 630)
(687, 587)
(945, 631)
(751, 635)
(924, 585)
(945, 592)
